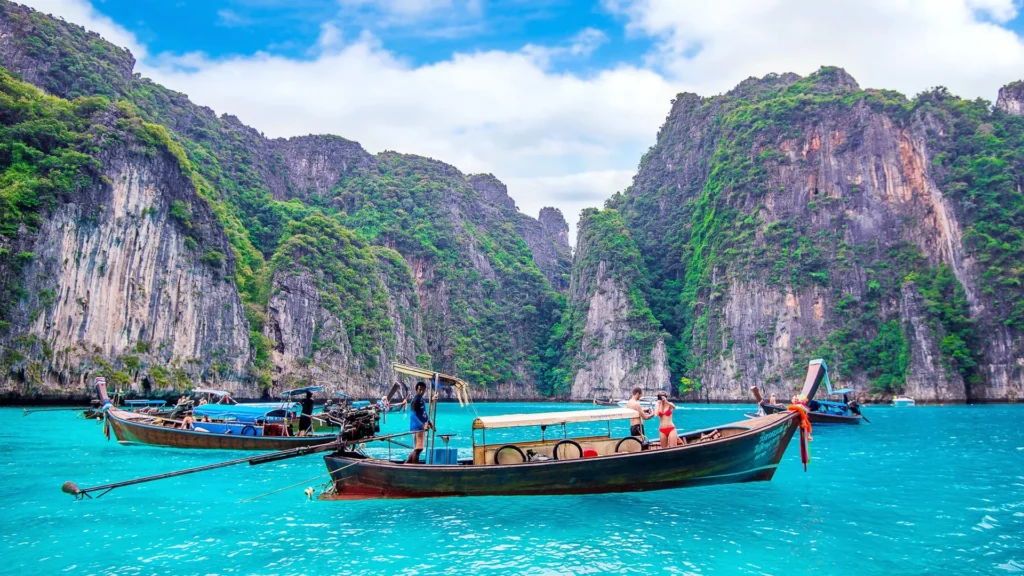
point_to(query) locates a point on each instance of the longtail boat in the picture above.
(591, 464)
(131, 428)
(739, 452)
(819, 411)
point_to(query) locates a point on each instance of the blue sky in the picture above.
(230, 27)
(557, 98)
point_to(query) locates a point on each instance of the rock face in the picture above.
(547, 238)
(804, 217)
(611, 343)
(116, 278)
(314, 164)
(1011, 99)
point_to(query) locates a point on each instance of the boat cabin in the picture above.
(555, 443)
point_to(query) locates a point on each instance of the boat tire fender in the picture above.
(509, 451)
(572, 446)
(629, 445)
(249, 431)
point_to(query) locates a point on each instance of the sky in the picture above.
(557, 98)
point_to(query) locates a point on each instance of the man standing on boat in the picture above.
(636, 427)
(306, 418)
(419, 422)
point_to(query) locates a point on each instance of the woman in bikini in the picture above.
(666, 429)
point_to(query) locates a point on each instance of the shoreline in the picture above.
(11, 401)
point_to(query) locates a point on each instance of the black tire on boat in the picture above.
(509, 454)
(629, 445)
(559, 451)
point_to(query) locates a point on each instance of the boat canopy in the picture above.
(300, 391)
(552, 418)
(145, 402)
(210, 391)
(247, 412)
(461, 386)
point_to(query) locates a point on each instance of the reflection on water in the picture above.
(921, 490)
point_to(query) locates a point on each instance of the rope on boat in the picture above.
(800, 408)
(289, 486)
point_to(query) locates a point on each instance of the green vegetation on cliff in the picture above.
(407, 205)
(604, 246)
(701, 235)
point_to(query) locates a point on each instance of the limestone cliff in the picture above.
(1011, 98)
(610, 341)
(129, 275)
(803, 217)
(477, 303)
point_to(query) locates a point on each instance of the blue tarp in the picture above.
(246, 412)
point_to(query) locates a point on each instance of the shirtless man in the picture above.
(636, 425)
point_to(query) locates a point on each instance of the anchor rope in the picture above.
(295, 485)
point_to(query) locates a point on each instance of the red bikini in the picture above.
(667, 429)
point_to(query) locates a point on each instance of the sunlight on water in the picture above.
(920, 490)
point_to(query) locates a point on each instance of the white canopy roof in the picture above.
(209, 391)
(552, 418)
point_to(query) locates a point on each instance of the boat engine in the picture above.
(356, 423)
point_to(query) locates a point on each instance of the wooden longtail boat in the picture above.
(816, 416)
(738, 452)
(132, 428)
(819, 411)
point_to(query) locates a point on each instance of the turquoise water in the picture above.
(921, 490)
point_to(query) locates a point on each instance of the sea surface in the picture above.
(923, 490)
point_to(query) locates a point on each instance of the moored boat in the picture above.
(132, 428)
(737, 452)
(903, 401)
(819, 411)
(646, 402)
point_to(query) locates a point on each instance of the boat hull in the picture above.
(748, 456)
(128, 431)
(816, 417)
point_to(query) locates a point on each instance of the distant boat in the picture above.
(821, 411)
(606, 402)
(646, 402)
(900, 401)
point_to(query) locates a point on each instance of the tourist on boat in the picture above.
(305, 419)
(188, 422)
(666, 429)
(419, 422)
(636, 427)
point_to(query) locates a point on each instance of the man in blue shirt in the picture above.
(419, 422)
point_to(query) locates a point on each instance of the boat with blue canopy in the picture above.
(249, 413)
(820, 411)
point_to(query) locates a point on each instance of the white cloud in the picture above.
(907, 45)
(570, 193)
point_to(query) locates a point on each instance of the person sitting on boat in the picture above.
(188, 422)
(419, 422)
(306, 418)
(636, 425)
(666, 429)
(225, 399)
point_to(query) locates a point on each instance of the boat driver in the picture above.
(419, 422)
(636, 425)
